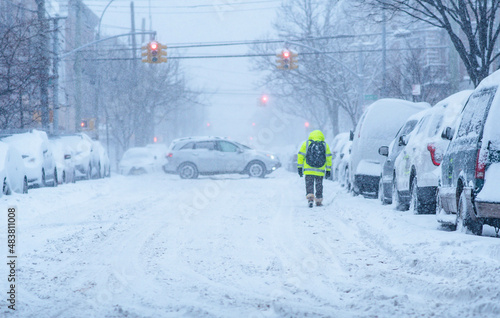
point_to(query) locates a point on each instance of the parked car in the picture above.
(12, 171)
(190, 157)
(336, 147)
(138, 160)
(343, 166)
(85, 158)
(63, 156)
(377, 127)
(385, 191)
(160, 151)
(468, 195)
(104, 164)
(416, 169)
(37, 154)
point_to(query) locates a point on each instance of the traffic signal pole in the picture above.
(65, 55)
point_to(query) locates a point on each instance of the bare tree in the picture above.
(322, 85)
(473, 27)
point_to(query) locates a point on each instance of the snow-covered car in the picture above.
(343, 166)
(385, 188)
(337, 145)
(85, 158)
(104, 164)
(12, 172)
(468, 196)
(377, 127)
(36, 152)
(138, 160)
(63, 156)
(192, 156)
(416, 168)
(160, 150)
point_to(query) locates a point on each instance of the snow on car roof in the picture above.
(26, 143)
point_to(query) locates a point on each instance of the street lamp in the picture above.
(98, 85)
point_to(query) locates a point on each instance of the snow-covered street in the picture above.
(231, 246)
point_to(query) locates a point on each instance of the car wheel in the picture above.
(89, 173)
(381, 192)
(347, 179)
(415, 205)
(25, 185)
(188, 171)
(5, 187)
(44, 182)
(64, 177)
(256, 169)
(55, 182)
(396, 199)
(465, 223)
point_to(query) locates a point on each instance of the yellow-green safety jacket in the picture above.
(316, 135)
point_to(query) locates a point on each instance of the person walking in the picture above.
(314, 160)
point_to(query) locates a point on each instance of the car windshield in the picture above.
(137, 154)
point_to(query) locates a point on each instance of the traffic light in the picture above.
(287, 60)
(264, 99)
(84, 124)
(154, 52)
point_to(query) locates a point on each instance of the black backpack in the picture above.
(316, 154)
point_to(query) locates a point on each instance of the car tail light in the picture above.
(169, 155)
(436, 154)
(481, 163)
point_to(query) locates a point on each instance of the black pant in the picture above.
(311, 181)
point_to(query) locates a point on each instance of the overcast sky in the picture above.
(196, 21)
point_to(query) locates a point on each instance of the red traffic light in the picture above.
(154, 45)
(286, 54)
(306, 124)
(264, 99)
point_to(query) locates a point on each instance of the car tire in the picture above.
(396, 199)
(88, 175)
(465, 223)
(256, 169)
(188, 171)
(44, 182)
(416, 205)
(55, 182)
(5, 187)
(25, 185)
(381, 193)
(347, 180)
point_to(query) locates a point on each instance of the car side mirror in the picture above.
(383, 151)
(447, 133)
(403, 140)
(351, 135)
(239, 150)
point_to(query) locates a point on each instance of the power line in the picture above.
(269, 54)
(185, 6)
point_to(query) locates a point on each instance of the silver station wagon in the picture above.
(193, 156)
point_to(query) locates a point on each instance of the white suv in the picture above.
(416, 169)
(190, 157)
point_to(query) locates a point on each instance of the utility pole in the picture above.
(78, 67)
(384, 53)
(44, 64)
(55, 76)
